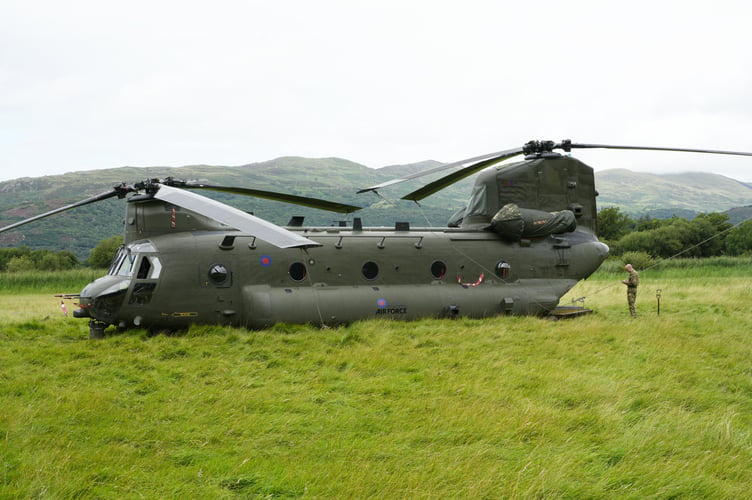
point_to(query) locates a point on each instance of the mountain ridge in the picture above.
(640, 192)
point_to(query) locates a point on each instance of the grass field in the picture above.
(593, 407)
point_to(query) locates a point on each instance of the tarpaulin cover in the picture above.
(515, 223)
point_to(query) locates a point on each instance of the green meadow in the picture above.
(599, 406)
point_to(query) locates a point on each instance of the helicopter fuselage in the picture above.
(171, 281)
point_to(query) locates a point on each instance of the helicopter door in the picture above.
(147, 271)
(221, 294)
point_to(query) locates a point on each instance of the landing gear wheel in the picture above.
(96, 329)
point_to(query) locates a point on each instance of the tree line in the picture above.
(25, 259)
(706, 235)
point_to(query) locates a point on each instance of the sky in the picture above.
(92, 84)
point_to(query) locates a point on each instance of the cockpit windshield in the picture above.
(117, 260)
(124, 262)
(126, 267)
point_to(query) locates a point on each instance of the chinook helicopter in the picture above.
(525, 238)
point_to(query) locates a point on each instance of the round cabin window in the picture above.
(298, 271)
(438, 269)
(502, 269)
(218, 274)
(370, 270)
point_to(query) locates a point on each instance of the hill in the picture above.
(668, 194)
(336, 179)
(739, 214)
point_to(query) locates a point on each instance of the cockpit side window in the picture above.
(156, 267)
(149, 268)
(143, 269)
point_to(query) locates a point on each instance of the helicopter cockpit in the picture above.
(131, 279)
(127, 258)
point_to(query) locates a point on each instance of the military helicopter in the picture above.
(525, 238)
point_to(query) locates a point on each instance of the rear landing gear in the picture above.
(96, 329)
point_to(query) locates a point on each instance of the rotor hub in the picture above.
(544, 149)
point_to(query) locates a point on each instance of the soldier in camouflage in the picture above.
(631, 282)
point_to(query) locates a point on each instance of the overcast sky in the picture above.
(88, 84)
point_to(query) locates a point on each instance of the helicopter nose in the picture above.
(102, 299)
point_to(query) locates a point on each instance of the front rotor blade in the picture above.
(233, 217)
(566, 146)
(490, 157)
(331, 206)
(116, 191)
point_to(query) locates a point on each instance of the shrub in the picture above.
(20, 264)
(639, 260)
(739, 239)
(101, 255)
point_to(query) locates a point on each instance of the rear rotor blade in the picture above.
(486, 160)
(566, 146)
(331, 206)
(119, 191)
(531, 148)
(233, 217)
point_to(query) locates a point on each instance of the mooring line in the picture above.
(308, 266)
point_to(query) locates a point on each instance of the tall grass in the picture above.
(602, 406)
(69, 281)
(683, 268)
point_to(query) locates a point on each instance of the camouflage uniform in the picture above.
(632, 282)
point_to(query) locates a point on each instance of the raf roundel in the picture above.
(381, 303)
(265, 261)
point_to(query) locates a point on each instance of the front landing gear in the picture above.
(96, 329)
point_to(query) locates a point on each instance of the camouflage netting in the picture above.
(514, 223)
